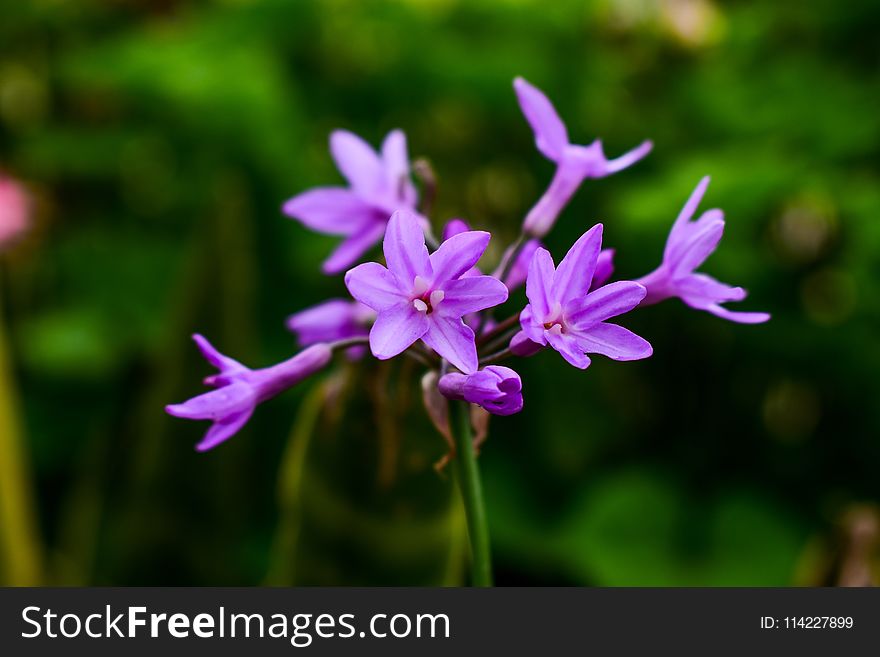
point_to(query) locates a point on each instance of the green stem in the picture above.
(468, 478)
(19, 543)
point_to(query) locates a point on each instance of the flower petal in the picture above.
(223, 430)
(613, 341)
(531, 328)
(565, 344)
(330, 210)
(333, 319)
(405, 250)
(575, 272)
(351, 249)
(214, 357)
(739, 317)
(551, 137)
(468, 295)
(453, 227)
(223, 402)
(522, 346)
(539, 283)
(690, 207)
(608, 301)
(374, 286)
(454, 341)
(458, 254)
(700, 291)
(629, 158)
(396, 328)
(397, 169)
(604, 268)
(701, 243)
(357, 162)
(520, 269)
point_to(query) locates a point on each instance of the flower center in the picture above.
(554, 320)
(425, 301)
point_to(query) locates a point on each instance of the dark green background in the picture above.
(160, 139)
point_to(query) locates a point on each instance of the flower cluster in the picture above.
(433, 302)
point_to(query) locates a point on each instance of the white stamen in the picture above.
(436, 297)
(556, 329)
(420, 286)
(420, 305)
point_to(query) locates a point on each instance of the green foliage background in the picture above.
(159, 140)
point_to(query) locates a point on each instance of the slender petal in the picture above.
(330, 210)
(522, 346)
(520, 269)
(458, 254)
(357, 161)
(551, 137)
(567, 346)
(454, 341)
(469, 295)
(629, 158)
(397, 170)
(351, 249)
(224, 429)
(405, 250)
(699, 246)
(539, 283)
(575, 273)
(604, 268)
(334, 319)
(213, 356)
(532, 328)
(700, 291)
(690, 207)
(214, 404)
(740, 317)
(608, 301)
(613, 341)
(375, 286)
(395, 329)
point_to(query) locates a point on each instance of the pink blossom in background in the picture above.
(14, 209)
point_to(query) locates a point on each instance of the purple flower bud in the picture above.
(496, 388)
(240, 389)
(574, 163)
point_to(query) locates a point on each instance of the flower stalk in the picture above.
(467, 475)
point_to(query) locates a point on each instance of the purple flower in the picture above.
(335, 319)
(240, 389)
(496, 388)
(379, 184)
(689, 244)
(563, 313)
(421, 296)
(574, 163)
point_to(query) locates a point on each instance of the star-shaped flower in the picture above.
(574, 163)
(689, 244)
(565, 315)
(422, 296)
(240, 389)
(379, 184)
